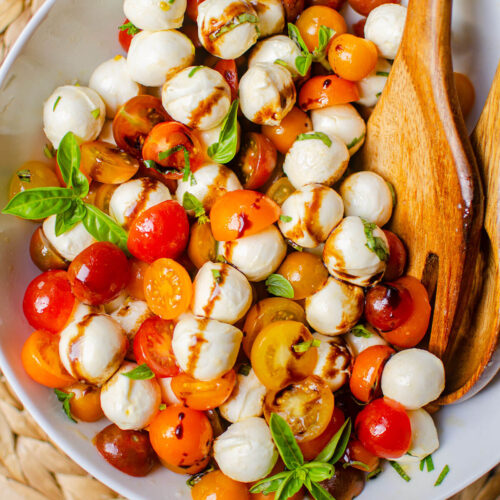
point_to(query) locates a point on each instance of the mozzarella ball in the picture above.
(129, 403)
(115, 304)
(227, 28)
(106, 134)
(278, 47)
(335, 308)
(271, 16)
(372, 85)
(80, 310)
(73, 109)
(92, 348)
(314, 211)
(199, 98)
(205, 348)
(131, 315)
(245, 451)
(221, 292)
(70, 243)
(311, 160)
(112, 81)
(413, 377)
(167, 394)
(334, 361)
(211, 136)
(133, 197)
(384, 27)
(212, 181)
(154, 15)
(347, 256)
(246, 400)
(155, 56)
(359, 342)
(424, 436)
(318, 250)
(267, 93)
(367, 195)
(341, 120)
(256, 256)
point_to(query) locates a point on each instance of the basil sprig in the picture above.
(361, 331)
(190, 202)
(278, 285)
(141, 372)
(315, 135)
(234, 23)
(224, 150)
(375, 243)
(64, 398)
(187, 174)
(130, 28)
(67, 203)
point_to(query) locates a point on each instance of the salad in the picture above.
(216, 276)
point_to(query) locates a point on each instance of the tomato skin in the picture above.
(85, 405)
(384, 428)
(43, 254)
(227, 68)
(124, 38)
(280, 190)
(160, 231)
(192, 9)
(397, 257)
(465, 91)
(323, 91)
(217, 486)
(202, 246)
(40, 175)
(356, 452)
(364, 7)
(48, 301)
(293, 8)
(359, 28)
(135, 286)
(333, 4)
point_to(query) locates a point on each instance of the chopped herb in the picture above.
(374, 474)
(96, 113)
(443, 474)
(361, 331)
(279, 286)
(382, 73)
(216, 274)
(304, 61)
(64, 398)
(305, 346)
(285, 218)
(378, 94)
(162, 407)
(319, 54)
(427, 461)
(187, 174)
(400, 470)
(194, 70)
(171, 1)
(282, 63)
(141, 372)
(244, 369)
(77, 84)
(315, 135)
(196, 477)
(374, 243)
(56, 103)
(24, 175)
(190, 202)
(49, 151)
(220, 258)
(129, 28)
(393, 192)
(355, 141)
(234, 23)
(357, 463)
(295, 246)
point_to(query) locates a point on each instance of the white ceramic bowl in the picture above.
(64, 42)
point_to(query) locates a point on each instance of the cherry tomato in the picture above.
(160, 231)
(283, 135)
(182, 438)
(346, 484)
(134, 120)
(356, 452)
(135, 286)
(59, 176)
(192, 9)
(85, 404)
(397, 257)
(293, 8)
(359, 28)
(168, 288)
(367, 370)
(43, 254)
(100, 195)
(307, 406)
(364, 7)
(128, 451)
(465, 91)
(280, 190)
(48, 301)
(325, 91)
(203, 395)
(384, 428)
(202, 246)
(333, 4)
(217, 486)
(256, 160)
(32, 174)
(124, 37)
(242, 213)
(227, 68)
(41, 361)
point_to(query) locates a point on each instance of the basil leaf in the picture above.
(285, 218)
(325, 34)
(67, 219)
(224, 150)
(244, 369)
(355, 141)
(96, 113)
(190, 202)
(130, 28)
(64, 398)
(400, 471)
(315, 135)
(361, 331)
(357, 463)
(328, 451)
(382, 73)
(303, 63)
(24, 175)
(282, 491)
(56, 103)
(233, 23)
(39, 203)
(374, 474)
(194, 70)
(305, 346)
(68, 159)
(293, 485)
(279, 286)
(196, 478)
(49, 151)
(285, 442)
(393, 193)
(294, 34)
(342, 444)
(375, 243)
(141, 372)
(442, 475)
(269, 484)
(319, 471)
(317, 491)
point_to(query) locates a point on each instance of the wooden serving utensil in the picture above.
(472, 348)
(417, 140)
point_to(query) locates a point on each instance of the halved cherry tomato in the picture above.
(333, 4)
(364, 7)
(40, 358)
(202, 246)
(356, 452)
(59, 176)
(32, 174)
(43, 254)
(167, 288)
(465, 91)
(367, 370)
(359, 28)
(217, 486)
(153, 346)
(227, 68)
(135, 286)
(242, 213)
(397, 257)
(280, 190)
(203, 395)
(100, 195)
(324, 91)
(85, 404)
(124, 37)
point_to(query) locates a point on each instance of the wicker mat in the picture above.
(31, 466)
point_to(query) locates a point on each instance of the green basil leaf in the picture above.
(49, 151)
(342, 443)
(361, 331)
(328, 451)
(196, 478)
(374, 474)
(357, 463)
(141, 372)
(190, 202)
(325, 34)
(305, 346)
(224, 150)
(317, 491)
(393, 193)
(279, 286)
(293, 485)
(319, 471)
(233, 23)
(303, 63)
(441, 476)
(400, 471)
(382, 73)
(67, 219)
(68, 157)
(355, 141)
(56, 103)
(129, 28)
(194, 70)
(374, 243)
(282, 491)
(244, 369)
(315, 135)
(285, 442)
(269, 484)
(294, 34)
(24, 175)
(285, 218)
(64, 398)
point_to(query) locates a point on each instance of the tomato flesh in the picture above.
(85, 404)
(227, 68)
(325, 91)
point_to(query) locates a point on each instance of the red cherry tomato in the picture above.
(359, 28)
(364, 7)
(293, 8)
(192, 8)
(99, 273)
(160, 231)
(125, 36)
(397, 257)
(227, 68)
(48, 301)
(356, 452)
(384, 428)
(325, 91)
(333, 4)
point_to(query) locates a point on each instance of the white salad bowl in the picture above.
(62, 44)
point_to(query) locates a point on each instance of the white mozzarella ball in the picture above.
(271, 16)
(334, 361)
(155, 56)
(115, 304)
(367, 195)
(155, 15)
(211, 136)
(413, 377)
(221, 292)
(359, 342)
(384, 27)
(424, 436)
(309, 215)
(341, 120)
(129, 403)
(205, 348)
(347, 256)
(311, 160)
(73, 109)
(318, 250)
(106, 134)
(245, 451)
(267, 93)
(133, 197)
(227, 28)
(278, 47)
(92, 348)
(70, 243)
(167, 394)
(131, 315)
(198, 97)
(372, 85)
(246, 400)
(80, 310)
(256, 256)
(335, 308)
(212, 181)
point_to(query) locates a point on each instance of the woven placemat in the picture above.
(32, 467)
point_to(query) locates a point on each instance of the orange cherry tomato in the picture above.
(356, 452)
(359, 28)
(364, 7)
(465, 91)
(85, 404)
(40, 358)
(324, 91)
(280, 190)
(167, 288)
(227, 68)
(43, 254)
(135, 286)
(271, 496)
(283, 135)
(333, 4)
(100, 195)
(367, 370)
(217, 486)
(202, 246)
(32, 174)
(242, 213)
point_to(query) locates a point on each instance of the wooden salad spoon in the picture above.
(416, 139)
